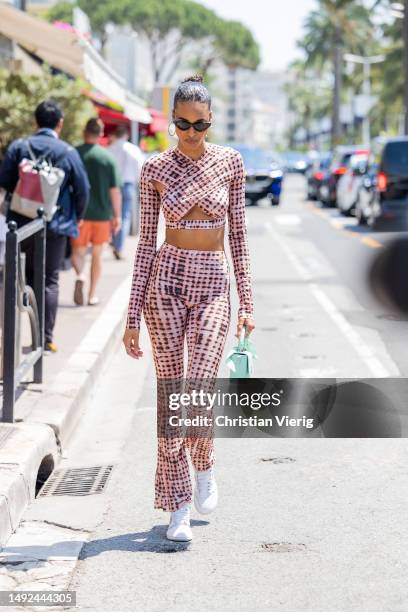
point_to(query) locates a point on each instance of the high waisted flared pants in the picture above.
(187, 297)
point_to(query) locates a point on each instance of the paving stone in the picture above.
(41, 541)
(7, 583)
(34, 586)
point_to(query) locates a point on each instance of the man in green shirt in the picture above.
(103, 213)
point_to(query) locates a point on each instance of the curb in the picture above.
(61, 403)
(45, 421)
(22, 453)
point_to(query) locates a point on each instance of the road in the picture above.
(302, 525)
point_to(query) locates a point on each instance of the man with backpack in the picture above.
(28, 189)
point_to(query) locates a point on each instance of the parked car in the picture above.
(348, 186)
(315, 175)
(389, 201)
(366, 192)
(338, 167)
(264, 174)
(296, 161)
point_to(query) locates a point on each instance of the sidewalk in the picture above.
(73, 322)
(47, 414)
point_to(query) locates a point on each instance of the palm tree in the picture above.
(307, 98)
(334, 27)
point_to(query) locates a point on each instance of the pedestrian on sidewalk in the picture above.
(49, 118)
(129, 159)
(183, 288)
(103, 214)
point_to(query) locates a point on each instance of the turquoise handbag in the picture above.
(240, 359)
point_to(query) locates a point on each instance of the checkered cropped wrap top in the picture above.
(215, 183)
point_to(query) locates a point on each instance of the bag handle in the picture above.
(31, 153)
(241, 339)
(37, 160)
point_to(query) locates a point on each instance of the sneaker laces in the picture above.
(182, 515)
(206, 477)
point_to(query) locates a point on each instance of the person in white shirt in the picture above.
(129, 159)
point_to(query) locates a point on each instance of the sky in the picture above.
(275, 24)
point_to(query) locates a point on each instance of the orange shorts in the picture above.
(92, 232)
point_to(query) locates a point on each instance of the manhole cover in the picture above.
(6, 433)
(77, 481)
(278, 459)
(281, 547)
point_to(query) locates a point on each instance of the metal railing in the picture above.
(18, 296)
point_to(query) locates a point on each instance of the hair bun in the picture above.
(195, 78)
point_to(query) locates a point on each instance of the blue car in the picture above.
(264, 174)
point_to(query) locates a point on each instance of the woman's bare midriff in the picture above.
(198, 239)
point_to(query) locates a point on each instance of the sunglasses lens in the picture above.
(182, 125)
(201, 126)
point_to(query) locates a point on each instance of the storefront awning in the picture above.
(71, 53)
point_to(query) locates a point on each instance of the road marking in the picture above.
(288, 219)
(340, 222)
(363, 350)
(374, 244)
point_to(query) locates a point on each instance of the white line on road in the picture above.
(353, 337)
(288, 219)
(365, 352)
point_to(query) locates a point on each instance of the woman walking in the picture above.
(183, 287)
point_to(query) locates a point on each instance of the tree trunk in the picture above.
(337, 68)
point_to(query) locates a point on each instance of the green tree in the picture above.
(20, 94)
(388, 80)
(170, 27)
(335, 27)
(308, 98)
(61, 12)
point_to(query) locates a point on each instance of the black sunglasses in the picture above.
(199, 126)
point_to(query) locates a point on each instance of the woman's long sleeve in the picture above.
(146, 247)
(238, 238)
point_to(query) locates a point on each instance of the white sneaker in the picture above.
(179, 528)
(206, 492)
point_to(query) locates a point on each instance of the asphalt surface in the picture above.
(307, 525)
(302, 524)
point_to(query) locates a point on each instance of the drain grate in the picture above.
(77, 481)
(6, 433)
(281, 547)
(278, 459)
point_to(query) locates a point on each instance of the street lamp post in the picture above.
(366, 61)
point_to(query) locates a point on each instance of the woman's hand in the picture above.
(131, 342)
(248, 323)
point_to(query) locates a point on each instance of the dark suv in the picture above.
(391, 201)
